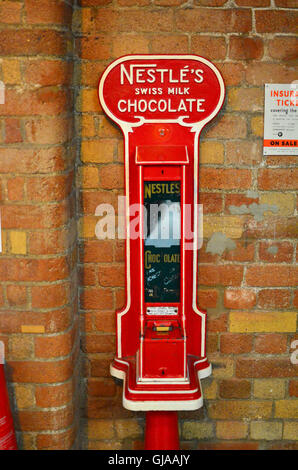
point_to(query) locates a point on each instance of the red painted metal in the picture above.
(161, 103)
(162, 430)
(7, 434)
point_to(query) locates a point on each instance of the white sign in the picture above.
(281, 119)
(162, 310)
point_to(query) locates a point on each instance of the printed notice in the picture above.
(162, 310)
(281, 119)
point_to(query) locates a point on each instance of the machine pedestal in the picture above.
(161, 395)
(162, 430)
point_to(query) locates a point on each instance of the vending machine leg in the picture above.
(161, 431)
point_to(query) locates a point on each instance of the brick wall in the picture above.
(38, 291)
(248, 291)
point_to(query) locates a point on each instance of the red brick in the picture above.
(49, 296)
(271, 344)
(98, 343)
(91, 199)
(242, 252)
(224, 275)
(293, 388)
(105, 20)
(10, 12)
(283, 48)
(169, 44)
(13, 133)
(90, 71)
(239, 298)
(96, 298)
(1, 297)
(48, 347)
(53, 321)
(295, 299)
(48, 72)
(217, 323)
(48, 12)
(207, 298)
(107, 408)
(42, 101)
(229, 445)
(207, 257)
(44, 243)
(111, 176)
(272, 276)
(111, 276)
(16, 295)
(250, 367)
(210, 3)
(105, 322)
(95, 46)
(54, 395)
(120, 298)
(234, 388)
(279, 227)
(15, 188)
(59, 441)
(211, 343)
(243, 153)
(87, 275)
(278, 178)
(50, 188)
(286, 3)
(271, 21)
(233, 73)
(32, 42)
(284, 446)
(119, 251)
(22, 269)
(261, 72)
(96, 251)
(246, 48)
(45, 420)
(274, 298)
(41, 372)
(101, 388)
(226, 21)
(253, 3)
(228, 126)
(212, 202)
(217, 178)
(32, 216)
(284, 253)
(277, 160)
(93, 3)
(235, 343)
(147, 2)
(100, 367)
(47, 130)
(210, 47)
(31, 160)
(139, 44)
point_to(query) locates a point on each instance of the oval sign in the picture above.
(161, 88)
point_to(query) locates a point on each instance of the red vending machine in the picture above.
(161, 103)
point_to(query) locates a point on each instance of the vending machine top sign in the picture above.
(164, 88)
(161, 103)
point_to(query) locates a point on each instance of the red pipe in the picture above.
(162, 430)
